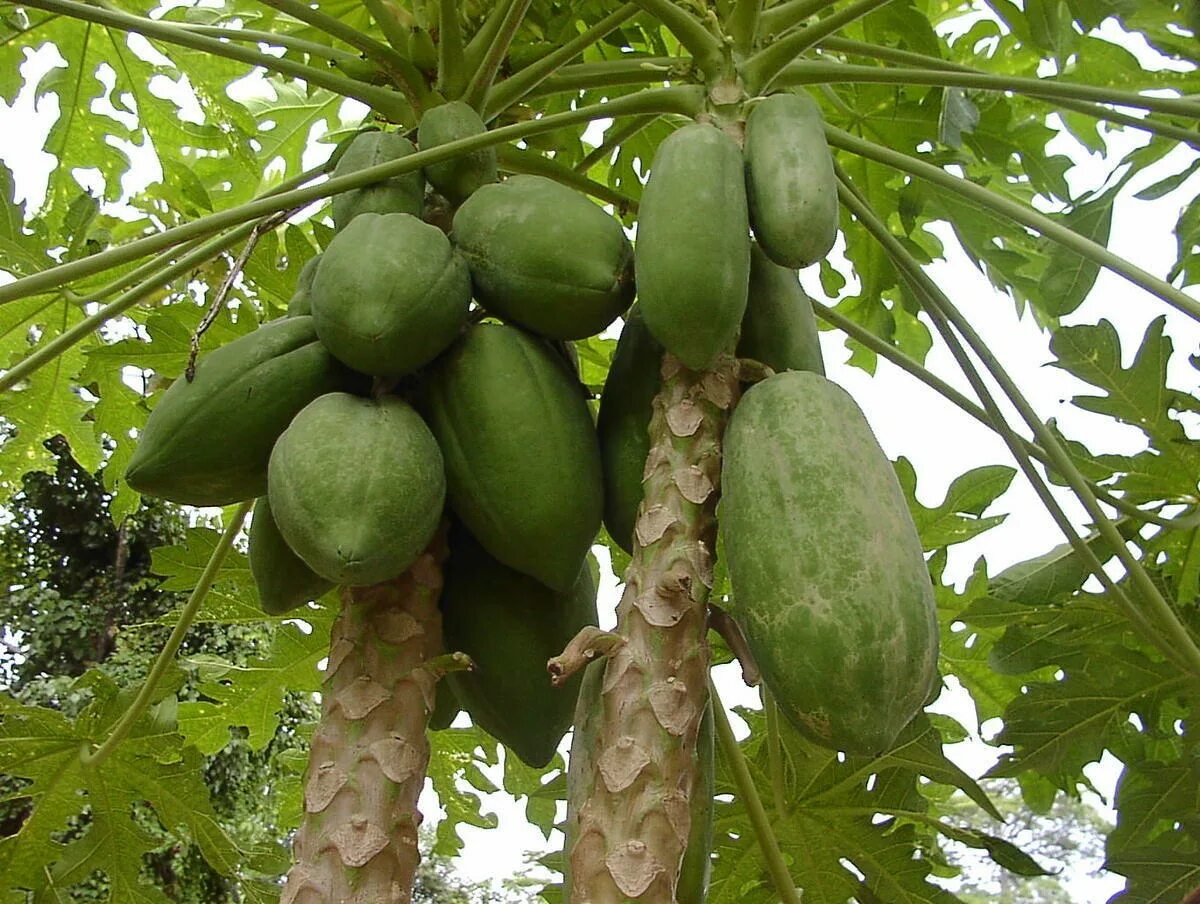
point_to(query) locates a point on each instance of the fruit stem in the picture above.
(521, 83)
(761, 69)
(731, 754)
(1096, 111)
(452, 73)
(882, 347)
(367, 763)
(187, 615)
(1006, 208)
(485, 74)
(406, 75)
(387, 102)
(816, 72)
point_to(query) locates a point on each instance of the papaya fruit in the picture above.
(522, 460)
(545, 257)
(692, 255)
(830, 585)
(357, 487)
(510, 625)
(390, 294)
(301, 300)
(779, 328)
(790, 180)
(634, 378)
(459, 177)
(207, 441)
(696, 866)
(399, 194)
(284, 582)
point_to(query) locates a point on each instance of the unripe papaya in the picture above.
(301, 300)
(545, 257)
(692, 255)
(284, 582)
(634, 378)
(357, 487)
(207, 441)
(779, 329)
(390, 295)
(830, 585)
(460, 176)
(399, 194)
(510, 625)
(522, 461)
(790, 180)
(696, 867)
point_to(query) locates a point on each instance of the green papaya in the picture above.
(790, 180)
(522, 460)
(390, 294)
(830, 585)
(779, 329)
(460, 176)
(510, 625)
(301, 300)
(284, 582)
(545, 257)
(207, 441)
(692, 255)
(696, 867)
(357, 487)
(399, 194)
(634, 378)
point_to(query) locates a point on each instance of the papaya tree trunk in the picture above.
(633, 795)
(367, 763)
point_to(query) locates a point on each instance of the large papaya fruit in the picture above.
(829, 582)
(390, 294)
(693, 245)
(634, 378)
(301, 300)
(400, 194)
(357, 487)
(790, 180)
(207, 442)
(284, 582)
(779, 329)
(460, 176)
(545, 257)
(696, 867)
(522, 460)
(510, 624)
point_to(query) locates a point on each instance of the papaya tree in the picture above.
(451, 294)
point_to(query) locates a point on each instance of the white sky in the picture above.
(909, 419)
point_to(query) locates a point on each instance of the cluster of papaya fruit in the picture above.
(830, 586)
(384, 399)
(381, 403)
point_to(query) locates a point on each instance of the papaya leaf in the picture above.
(96, 806)
(255, 698)
(959, 517)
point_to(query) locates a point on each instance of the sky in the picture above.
(909, 419)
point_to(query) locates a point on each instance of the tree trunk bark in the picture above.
(358, 841)
(633, 796)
